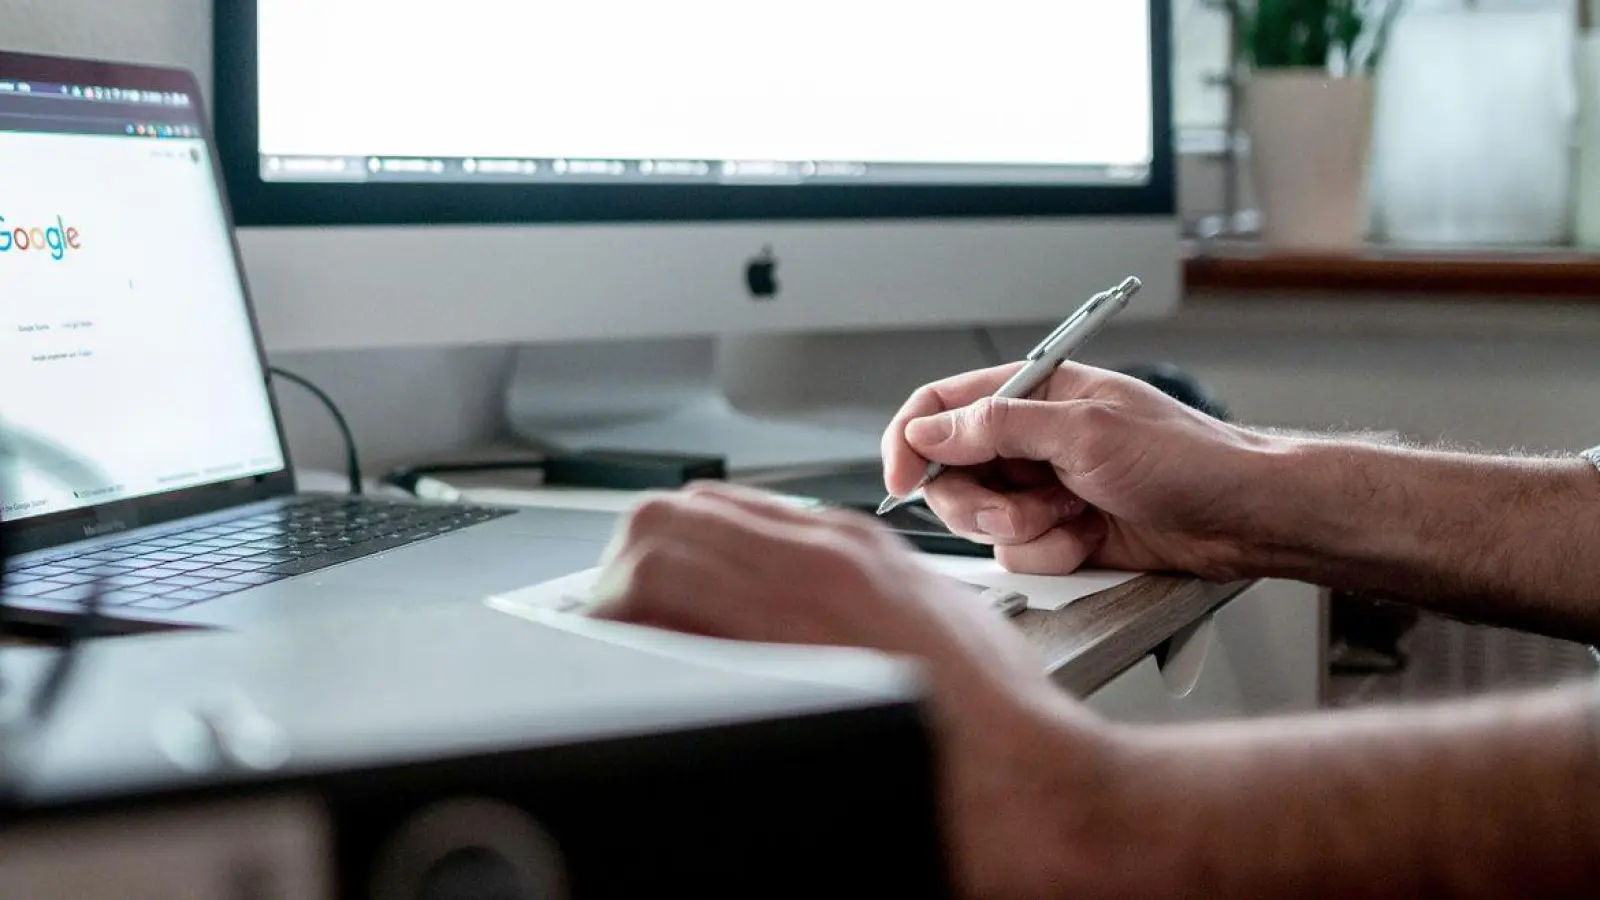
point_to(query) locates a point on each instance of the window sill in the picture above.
(1245, 269)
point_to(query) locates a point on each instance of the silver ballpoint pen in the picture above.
(1043, 361)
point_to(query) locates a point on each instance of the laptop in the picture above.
(146, 453)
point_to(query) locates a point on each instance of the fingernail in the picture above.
(995, 523)
(930, 431)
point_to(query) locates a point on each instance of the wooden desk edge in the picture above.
(1099, 637)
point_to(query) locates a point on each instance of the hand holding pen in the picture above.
(1043, 361)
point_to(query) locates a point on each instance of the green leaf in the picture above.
(1318, 34)
(1380, 41)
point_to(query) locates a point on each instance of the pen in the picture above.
(1043, 361)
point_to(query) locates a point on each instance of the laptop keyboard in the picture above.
(191, 566)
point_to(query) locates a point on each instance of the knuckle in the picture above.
(652, 515)
(1099, 418)
(954, 511)
(1006, 428)
(655, 517)
(987, 416)
(700, 489)
(651, 564)
(1098, 437)
(925, 397)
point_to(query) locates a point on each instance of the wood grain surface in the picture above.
(1095, 639)
(1552, 274)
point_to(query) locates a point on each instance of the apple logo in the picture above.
(761, 275)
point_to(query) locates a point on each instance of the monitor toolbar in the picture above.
(653, 171)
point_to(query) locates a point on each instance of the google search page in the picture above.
(124, 336)
(1064, 82)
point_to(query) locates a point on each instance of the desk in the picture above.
(1099, 637)
(1241, 648)
(1263, 655)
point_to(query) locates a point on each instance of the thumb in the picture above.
(992, 428)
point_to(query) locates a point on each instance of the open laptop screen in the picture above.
(125, 336)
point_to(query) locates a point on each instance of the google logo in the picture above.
(54, 239)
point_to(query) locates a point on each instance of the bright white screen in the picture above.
(1013, 82)
(131, 346)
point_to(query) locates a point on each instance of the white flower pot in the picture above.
(1588, 173)
(1310, 142)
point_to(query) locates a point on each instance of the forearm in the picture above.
(1494, 799)
(1515, 541)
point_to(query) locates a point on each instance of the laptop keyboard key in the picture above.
(163, 604)
(191, 595)
(122, 581)
(159, 556)
(74, 594)
(251, 579)
(177, 582)
(212, 573)
(33, 588)
(126, 596)
(74, 578)
(158, 572)
(166, 543)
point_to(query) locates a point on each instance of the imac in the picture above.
(616, 187)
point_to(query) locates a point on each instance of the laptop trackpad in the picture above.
(468, 564)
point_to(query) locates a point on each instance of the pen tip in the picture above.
(888, 506)
(1130, 285)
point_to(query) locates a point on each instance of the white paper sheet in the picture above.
(1051, 594)
(840, 666)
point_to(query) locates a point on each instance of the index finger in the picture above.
(902, 466)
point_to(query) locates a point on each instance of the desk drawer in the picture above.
(1259, 654)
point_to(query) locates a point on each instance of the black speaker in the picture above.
(1180, 385)
(467, 754)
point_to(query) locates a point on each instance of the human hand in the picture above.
(727, 562)
(1098, 468)
(733, 562)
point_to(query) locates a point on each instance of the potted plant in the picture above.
(1305, 76)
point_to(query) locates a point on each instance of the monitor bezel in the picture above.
(55, 529)
(258, 202)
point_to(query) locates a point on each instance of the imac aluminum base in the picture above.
(663, 397)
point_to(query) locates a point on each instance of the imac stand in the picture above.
(663, 396)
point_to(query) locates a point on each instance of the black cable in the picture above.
(352, 461)
(988, 348)
(406, 478)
